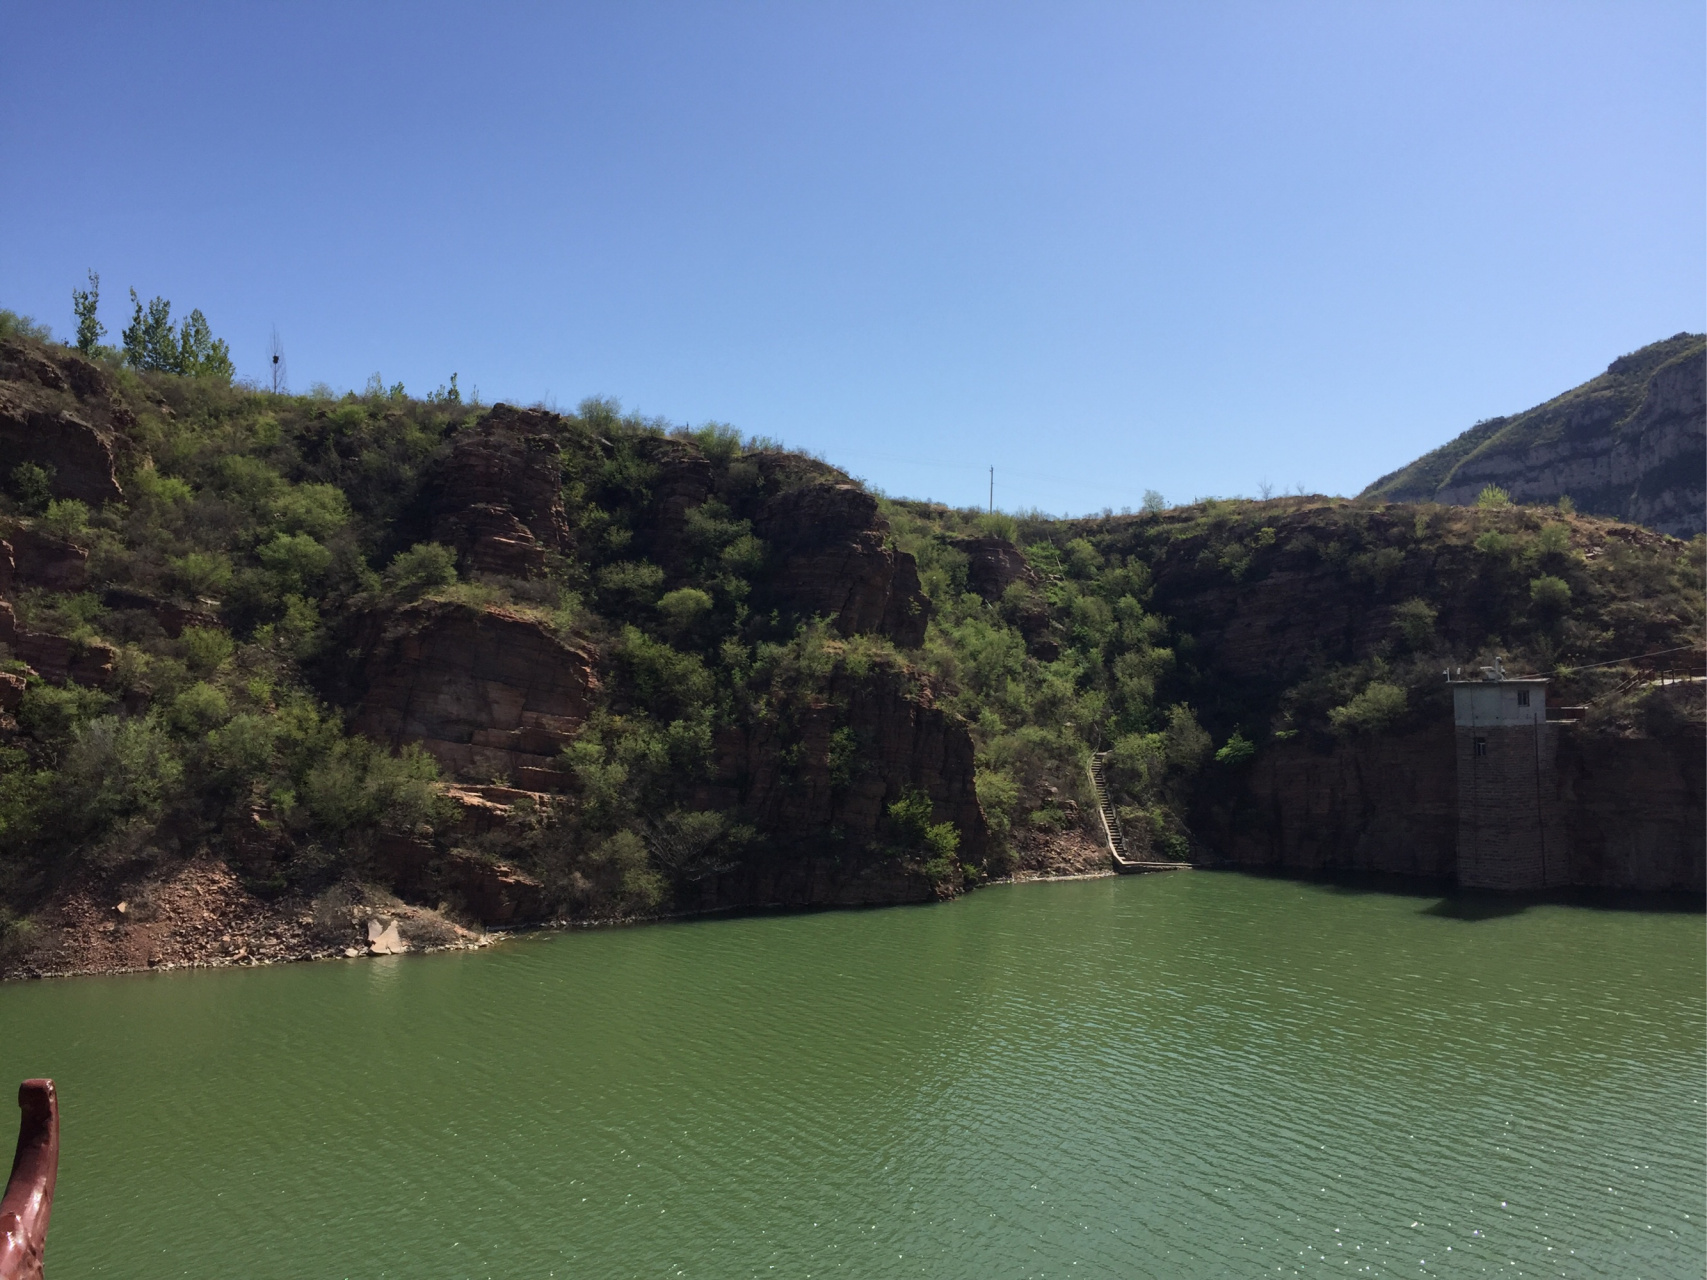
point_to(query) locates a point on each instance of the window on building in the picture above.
(1523, 697)
(1480, 746)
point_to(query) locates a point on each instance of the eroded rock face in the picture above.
(1631, 444)
(42, 560)
(494, 893)
(834, 559)
(54, 658)
(1385, 804)
(500, 497)
(829, 825)
(994, 564)
(488, 693)
(684, 480)
(1631, 811)
(1644, 466)
(58, 411)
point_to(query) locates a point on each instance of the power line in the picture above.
(1612, 662)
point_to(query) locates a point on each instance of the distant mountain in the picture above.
(1631, 444)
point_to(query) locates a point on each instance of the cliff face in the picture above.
(835, 561)
(494, 692)
(499, 499)
(1629, 813)
(1387, 804)
(828, 815)
(486, 692)
(1291, 588)
(60, 412)
(1631, 444)
(1295, 610)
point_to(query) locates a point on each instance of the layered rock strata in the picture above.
(830, 820)
(834, 558)
(1631, 444)
(488, 693)
(500, 497)
(59, 412)
(1620, 813)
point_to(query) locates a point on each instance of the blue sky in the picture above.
(1104, 248)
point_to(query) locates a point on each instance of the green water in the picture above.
(1174, 1076)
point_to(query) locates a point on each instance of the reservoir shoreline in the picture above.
(280, 932)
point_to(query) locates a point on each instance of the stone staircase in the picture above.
(1111, 827)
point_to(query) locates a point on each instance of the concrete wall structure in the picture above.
(1508, 829)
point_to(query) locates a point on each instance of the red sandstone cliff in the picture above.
(835, 559)
(828, 818)
(60, 412)
(487, 692)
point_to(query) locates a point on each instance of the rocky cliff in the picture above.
(1286, 612)
(336, 664)
(488, 692)
(826, 806)
(499, 693)
(1628, 813)
(1631, 444)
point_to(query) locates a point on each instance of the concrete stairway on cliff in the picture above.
(1111, 826)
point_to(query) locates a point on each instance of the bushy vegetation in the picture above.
(258, 531)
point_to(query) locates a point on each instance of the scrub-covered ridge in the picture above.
(1630, 444)
(363, 660)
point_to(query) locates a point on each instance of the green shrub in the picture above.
(240, 751)
(1553, 540)
(621, 862)
(66, 518)
(684, 606)
(1414, 621)
(630, 584)
(1493, 496)
(998, 796)
(197, 710)
(1551, 596)
(718, 441)
(51, 715)
(13, 325)
(148, 487)
(1376, 708)
(32, 486)
(420, 569)
(319, 510)
(296, 560)
(201, 573)
(357, 784)
(932, 844)
(1187, 745)
(665, 680)
(205, 649)
(1238, 750)
(116, 769)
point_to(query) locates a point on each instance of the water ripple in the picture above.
(1172, 1076)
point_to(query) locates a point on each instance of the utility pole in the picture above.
(992, 491)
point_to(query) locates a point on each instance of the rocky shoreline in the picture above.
(198, 915)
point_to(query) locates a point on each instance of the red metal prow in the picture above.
(29, 1194)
